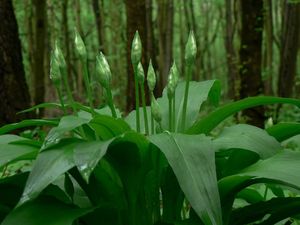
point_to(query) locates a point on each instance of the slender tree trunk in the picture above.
(233, 74)
(250, 57)
(268, 58)
(14, 93)
(99, 22)
(78, 65)
(289, 49)
(136, 20)
(39, 51)
(65, 28)
(165, 24)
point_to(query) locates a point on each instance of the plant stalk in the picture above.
(137, 99)
(144, 108)
(170, 114)
(61, 100)
(111, 103)
(186, 95)
(87, 84)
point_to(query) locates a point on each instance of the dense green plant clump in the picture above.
(158, 165)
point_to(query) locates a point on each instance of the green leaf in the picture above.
(42, 105)
(88, 154)
(277, 209)
(13, 148)
(199, 92)
(247, 137)
(27, 123)
(49, 165)
(208, 123)
(107, 127)
(66, 124)
(192, 159)
(284, 131)
(44, 211)
(282, 168)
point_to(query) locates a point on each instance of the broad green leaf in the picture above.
(284, 131)
(282, 168)
(88, 154)
(27, 123)
(107, 127)
(277, 209)
(243, 136)
(66, 124)
(199, 92)
(208, 123)
(44, 211)
(49, 165)
(192, 159)
(14, 148)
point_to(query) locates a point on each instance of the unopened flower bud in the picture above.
(103, 71)
(140, 73)
(190, 49)
(80, 46)
(59, 56)
(155, 110)
(151, 78)
(136, 49)
(55, 75)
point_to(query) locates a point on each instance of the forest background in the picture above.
(250, 46)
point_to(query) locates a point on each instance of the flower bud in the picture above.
(55, 75)
(140, 73)
(190, 49)
(59, 56)
(151, 78)
(155, 110)
(136, 49)
(103, 71)
(175, 74)
(80, 47)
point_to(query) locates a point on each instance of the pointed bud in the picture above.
(151, 77)
(155, 110)
(175, 72)
(59, 56)
(190, 49)
(140, 73)
(136, 49)
(55, 75)
(103, 71)
(173, 79)
(80, 46)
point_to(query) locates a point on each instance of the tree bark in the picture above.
(233, 74)
(137, 20)
(39, 50)
(165, 25)
(289, 49)
(268, 56)
(250, 57)
(14, 93)
(99, 22)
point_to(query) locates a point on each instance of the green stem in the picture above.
(110, 102)
(186, 95)
(87, 84)
(67, 86)
(61, 100)
(170, 114)
(152, 119)
(137, 100)
(144, 108)
(174, 114)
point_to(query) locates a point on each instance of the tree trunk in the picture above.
(289, 49)
(39, 50)
(268, 56)
(137, 20)
(13, 88)
(250, 57)
(99, 23)
(165, 25)
(233, 75)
